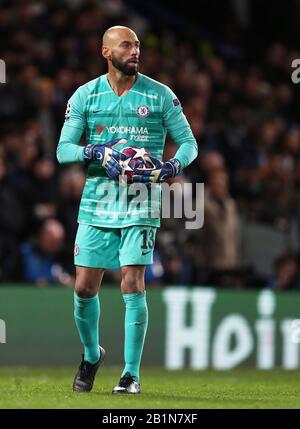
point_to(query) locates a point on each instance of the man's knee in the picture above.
(132, 280)
(85, 289)
(88, 282)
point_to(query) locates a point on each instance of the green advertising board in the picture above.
(195, 327)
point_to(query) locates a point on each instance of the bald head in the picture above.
(113, 35)
(121, 48)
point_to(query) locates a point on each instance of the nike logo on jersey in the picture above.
(96, 111)
(146, 253)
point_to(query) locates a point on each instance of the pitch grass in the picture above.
(51, 388)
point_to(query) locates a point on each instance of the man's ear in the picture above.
(106, 52)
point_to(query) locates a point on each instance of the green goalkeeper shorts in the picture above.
(111, 248)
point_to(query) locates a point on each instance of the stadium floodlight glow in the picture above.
(2, 71)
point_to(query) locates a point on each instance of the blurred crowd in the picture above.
(244, 112)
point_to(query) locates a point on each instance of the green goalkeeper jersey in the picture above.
(143, 116)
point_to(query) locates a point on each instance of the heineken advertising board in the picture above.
(198, 328)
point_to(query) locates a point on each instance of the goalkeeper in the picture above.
(116, 107)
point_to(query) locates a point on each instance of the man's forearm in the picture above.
(181, 133)
(187, 152)
(188, 148)
(68, 149)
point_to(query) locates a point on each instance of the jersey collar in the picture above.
(134, 86)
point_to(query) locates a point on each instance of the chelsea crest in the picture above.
(143, 111)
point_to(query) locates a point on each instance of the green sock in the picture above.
(87, 314)
(136, 322)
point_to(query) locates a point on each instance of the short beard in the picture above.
(124, 67)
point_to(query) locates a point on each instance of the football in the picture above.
(136, 157)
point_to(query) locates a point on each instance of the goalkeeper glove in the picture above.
(161, 172)
(106, 156)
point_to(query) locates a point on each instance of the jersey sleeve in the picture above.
(174, 120)
(69, 149)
